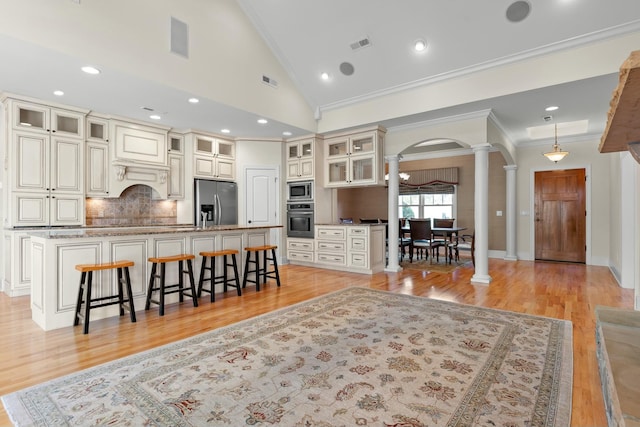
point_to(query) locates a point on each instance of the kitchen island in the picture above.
(55, 253)
(356, 248)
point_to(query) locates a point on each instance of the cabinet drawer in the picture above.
(300, 256)
(358, 243)
(358, 260)
(300, 246)
(330, 246)
(335, 259)
(331, 233)
(357, 231)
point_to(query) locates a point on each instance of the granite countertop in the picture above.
(84, 232)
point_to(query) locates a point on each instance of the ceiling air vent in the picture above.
(269, 81)
(365, 42)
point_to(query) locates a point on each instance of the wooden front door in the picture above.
(560, 212)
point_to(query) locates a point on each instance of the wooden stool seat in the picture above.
(162, 288)
(223, 278)
(171, 258)
(86, 285)
(261, 272)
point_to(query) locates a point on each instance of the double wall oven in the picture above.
(300, 215)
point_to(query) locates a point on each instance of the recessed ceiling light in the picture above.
(194, 100)
(551, 108)
(90, 70)
(58, 92)
(419, 45)
(155, 117)
(325, 76)
(263, 121)
(225, 131)
(287, 133)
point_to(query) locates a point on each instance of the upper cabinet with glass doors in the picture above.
(41, 118)
(355, 160)
(301, 159)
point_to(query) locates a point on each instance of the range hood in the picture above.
(124, 174)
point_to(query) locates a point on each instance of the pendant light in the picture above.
(557, 154)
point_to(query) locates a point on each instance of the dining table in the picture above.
(447, 232)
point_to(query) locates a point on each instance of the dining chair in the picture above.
(422, 239)
(466, 242)
(443, 238)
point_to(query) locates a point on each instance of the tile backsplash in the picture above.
(135, 206)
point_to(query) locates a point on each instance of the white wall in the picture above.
(583, 154)
(227, 56)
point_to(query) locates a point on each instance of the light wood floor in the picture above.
(29, 355)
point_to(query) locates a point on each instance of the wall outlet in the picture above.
(498, 213)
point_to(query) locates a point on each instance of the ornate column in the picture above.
(512, 254)
(481, 210)
(394, 232)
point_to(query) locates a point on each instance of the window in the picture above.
(426, 205)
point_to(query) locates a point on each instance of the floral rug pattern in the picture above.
(356, 357)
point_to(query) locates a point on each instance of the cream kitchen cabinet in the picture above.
(45, 152)
(138, 143)
(97, 170)
(300, 159)
(47, 180)
(214, 158)
(354, 248)
(331, 245)
(176, 177)
(34, 117)
(354, 160)
(17, 263)
(300, 251)
(98, 129)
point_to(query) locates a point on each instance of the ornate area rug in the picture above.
(351, 358)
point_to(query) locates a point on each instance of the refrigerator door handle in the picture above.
(219, 209)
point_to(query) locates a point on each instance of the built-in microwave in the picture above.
(300, 191)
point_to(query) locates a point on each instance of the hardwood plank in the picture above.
(565, 291)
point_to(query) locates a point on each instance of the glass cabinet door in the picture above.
(204, 145)
(363, 144)
(306, 149)
(31, 117)
(362, 169)
(337, 171)
(226, 149)
(338, 148)
(292, 152)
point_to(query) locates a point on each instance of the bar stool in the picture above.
(86, 283)
(261, 271)
(223, 278)
(165, 289)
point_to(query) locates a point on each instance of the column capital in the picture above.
(393, 157)
(510, 167)
(481, 147)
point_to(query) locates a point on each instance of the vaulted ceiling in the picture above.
(463, 38)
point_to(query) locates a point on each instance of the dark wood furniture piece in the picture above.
(422, 239)
(464, 242)
(162, 288)
(86, 287)
(261, 272)
(210, 257)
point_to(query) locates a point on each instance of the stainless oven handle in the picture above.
(300, 213)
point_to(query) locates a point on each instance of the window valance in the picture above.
(438, 181)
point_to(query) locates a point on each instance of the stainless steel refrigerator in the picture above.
(215, 202)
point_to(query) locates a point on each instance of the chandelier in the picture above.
(557, 154)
